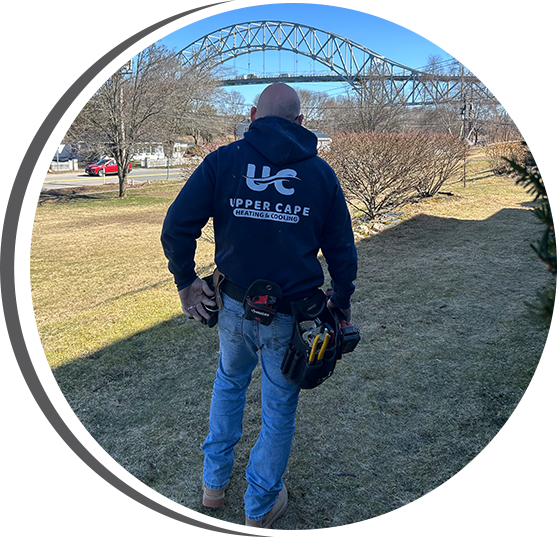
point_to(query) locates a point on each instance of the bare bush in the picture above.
(498, 153)
(382, 171)
(378, 171)
(215, 143)
(442, 155)
(505, 144)
(196, 151)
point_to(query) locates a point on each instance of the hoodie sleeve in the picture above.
(339, 250)
(185, 219)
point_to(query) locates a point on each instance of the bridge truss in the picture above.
(344, 59)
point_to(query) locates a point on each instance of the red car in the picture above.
(105, 166)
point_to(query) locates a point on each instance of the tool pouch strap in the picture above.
(296, 367)
(218, 280)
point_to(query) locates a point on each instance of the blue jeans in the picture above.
(241, 344)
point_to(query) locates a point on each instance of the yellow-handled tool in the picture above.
(314, 348)
(324, 346)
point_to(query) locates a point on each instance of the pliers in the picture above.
(324, 345)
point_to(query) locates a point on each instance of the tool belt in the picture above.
(316, 343)
(262, 300)
(317, 336)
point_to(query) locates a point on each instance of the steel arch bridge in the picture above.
(346, 61)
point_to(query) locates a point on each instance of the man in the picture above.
(275, 204)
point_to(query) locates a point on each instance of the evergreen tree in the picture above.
(531, 179)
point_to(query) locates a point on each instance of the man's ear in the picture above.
(253, 113)
(299, 119)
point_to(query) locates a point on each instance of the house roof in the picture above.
(320, 135)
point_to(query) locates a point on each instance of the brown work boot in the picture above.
(213, 498)
(274, 514)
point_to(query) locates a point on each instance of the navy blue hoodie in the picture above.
(274, 204)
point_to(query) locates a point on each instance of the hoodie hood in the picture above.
(281, 141)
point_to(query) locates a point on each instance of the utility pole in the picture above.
(463, 107)
(471, 126)
(464, 171)
(463, 118)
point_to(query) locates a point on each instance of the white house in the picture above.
(64, 158)
(152, 154)
(323, 140)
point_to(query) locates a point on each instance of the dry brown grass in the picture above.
(448, 349)
(98, 273)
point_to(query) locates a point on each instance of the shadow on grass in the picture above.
(448, 348)
(104, 192)
(477, 178)
(145, 399)
(530, 204)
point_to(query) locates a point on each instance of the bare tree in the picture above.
(435, 65)
(339, 115)
(439, 117)
(231, 105)
(376, 112)
(142, 100)
(313, 105)
(204, 123)
(462, 112)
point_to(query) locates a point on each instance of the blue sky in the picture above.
(404, 32)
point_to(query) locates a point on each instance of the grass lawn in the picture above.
(448, 348)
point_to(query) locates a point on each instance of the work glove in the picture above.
(344, 313)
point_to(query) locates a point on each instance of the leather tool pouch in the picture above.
(214, 281)
(261, 301)
(300, 366)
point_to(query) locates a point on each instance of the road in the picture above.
(80, 178)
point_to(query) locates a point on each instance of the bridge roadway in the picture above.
(269, 78)
(405, 89)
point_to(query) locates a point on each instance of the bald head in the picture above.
(278, 100)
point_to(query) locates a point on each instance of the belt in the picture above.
(239, 294)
